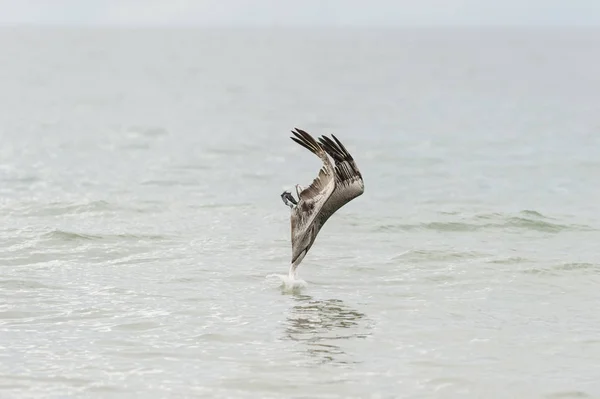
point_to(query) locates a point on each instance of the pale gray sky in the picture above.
(300, 12)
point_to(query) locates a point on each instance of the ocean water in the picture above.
(140, 217)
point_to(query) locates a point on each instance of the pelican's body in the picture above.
(334, 187)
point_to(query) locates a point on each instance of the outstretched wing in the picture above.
(348, 179)
(331, 189)
(323, 185)
(311, 200)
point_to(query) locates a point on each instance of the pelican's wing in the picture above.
(323, 185)
(311, 199)
(348, 179)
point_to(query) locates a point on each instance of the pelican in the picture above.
(334, 187)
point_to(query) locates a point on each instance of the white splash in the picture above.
(288, 284)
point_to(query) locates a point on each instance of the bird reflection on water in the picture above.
(320, 324)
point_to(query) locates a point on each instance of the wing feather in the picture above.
(320, 185)
(346, 171)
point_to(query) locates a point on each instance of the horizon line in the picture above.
(291, 26)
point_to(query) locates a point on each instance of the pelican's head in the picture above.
(288, 199)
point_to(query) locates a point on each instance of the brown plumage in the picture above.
(336, 184)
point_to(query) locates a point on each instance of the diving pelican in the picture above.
(333, 188)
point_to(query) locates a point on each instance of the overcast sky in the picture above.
(300, 12)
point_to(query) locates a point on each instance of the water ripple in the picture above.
(527, 220)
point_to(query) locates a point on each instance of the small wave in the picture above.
(63, 235)
(438, 226)
(69, 236)
(525, 213)
(39, 209)
(538, 225)
(530, 213)
(424, 254)
(450, 226)
(525, 220)
(578, 266)
(61, 208)
(488, 216)
(510, 261)
(558, 270)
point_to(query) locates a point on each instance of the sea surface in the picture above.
(141, 220)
